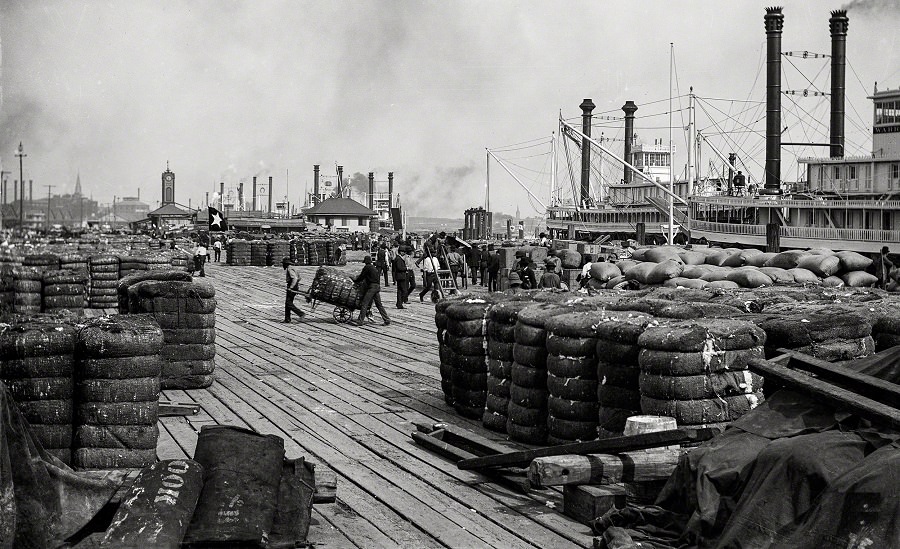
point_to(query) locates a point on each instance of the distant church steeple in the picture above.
(78, 184)
(518, 215)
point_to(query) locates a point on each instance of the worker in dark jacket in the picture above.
(370, 279)
(493, 271)
(485, 264)
(529, 278)
(292, 278)
(381, 261)
(401, 276)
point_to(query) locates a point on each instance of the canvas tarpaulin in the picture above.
(42, 501)
(790, 470)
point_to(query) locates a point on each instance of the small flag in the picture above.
(216, 223)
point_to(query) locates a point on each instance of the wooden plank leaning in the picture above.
(868, 386)
(825, 391)
(613, 445)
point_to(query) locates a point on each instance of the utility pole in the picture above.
(49, 188)
(20, 152)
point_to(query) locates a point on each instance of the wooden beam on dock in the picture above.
(639, 466)
(611, 445)
(868, 386)
(823, 390)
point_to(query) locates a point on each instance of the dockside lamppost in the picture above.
(20, 152)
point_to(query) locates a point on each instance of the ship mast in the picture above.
(671, 156)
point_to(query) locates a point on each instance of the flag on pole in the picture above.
(216, 222)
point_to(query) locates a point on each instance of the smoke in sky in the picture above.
(224, 90)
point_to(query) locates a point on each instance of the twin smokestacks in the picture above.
(774, 23)
(340, 169)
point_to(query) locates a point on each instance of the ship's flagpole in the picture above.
(671, 156)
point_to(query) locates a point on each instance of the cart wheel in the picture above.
(342, 315)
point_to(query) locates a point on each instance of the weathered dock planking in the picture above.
(347, 398)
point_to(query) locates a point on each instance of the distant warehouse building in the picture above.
(341, 215)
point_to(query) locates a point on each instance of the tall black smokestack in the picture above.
(315, 184)
(587, 107)
(390, 189)
(774, 21)
(630, 108)
(340, 186)
(371, 190)
(240, 204)
(253, 208)
(270, 194)
(221, 195)
(838, 25)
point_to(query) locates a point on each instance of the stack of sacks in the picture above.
(130, 264)
(27, 285)
(826, 331)
(312, 253)
(158, 262)
(446, 369)
(321, 251)
(466, 339)
(258, 250)
(501, 337)
(186, 311)
(696, 370)
(127, 282)
(238, 252)
(334, 286)
(182, 261)
(884, 314)
(37, 364)
(298, 252)
(7, 289)
(139, 243)
(618, 369)
(572, 404)
(42, 262)
(74, 262)
(117, 388)
(276, 250)
(104, 279)
(602, 273)
(734, 268)
(64, 290)
(527, 410)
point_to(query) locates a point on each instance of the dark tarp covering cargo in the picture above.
(791, 473)
(42, 501)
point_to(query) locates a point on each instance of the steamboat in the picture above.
(839, 202)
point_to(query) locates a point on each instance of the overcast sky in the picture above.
(226, 90)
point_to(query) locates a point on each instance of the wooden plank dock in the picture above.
(347, 398)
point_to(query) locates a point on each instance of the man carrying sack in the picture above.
(292, 278)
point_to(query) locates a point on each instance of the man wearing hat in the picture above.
(549, 279)
(292, 277)
(515, 283)
(401, 276)
(370, 279)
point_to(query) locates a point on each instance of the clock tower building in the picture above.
(168, 186)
